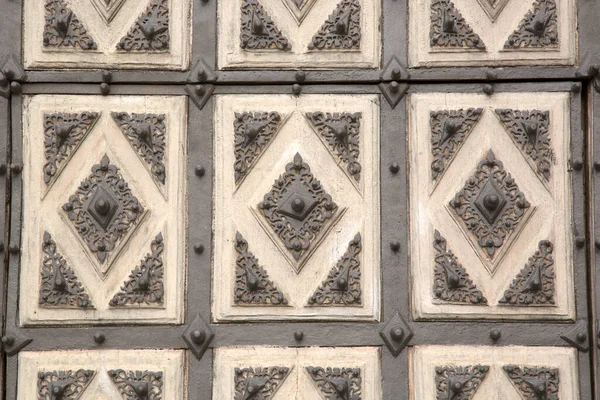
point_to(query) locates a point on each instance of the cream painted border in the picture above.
(425, 203)
(168, 216)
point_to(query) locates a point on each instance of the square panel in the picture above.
(314, 373)
(104, 200)
(491, 205)
(296, 207)
(494, 373)
(125, 34)
(291, 34)
(102, 374)
(492, 33)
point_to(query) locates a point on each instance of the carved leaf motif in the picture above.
(450, 30)
(63, 133)
(138, 385)
(145, 284)
(451, 281)
(147, 135)
(259, 383)
(490, 204)
(337, 383)
(341, 30)
(103, 209)
(60, 287)
(258, 31)
(457, 382)
(534, 383)
(297, 207)
(342, 286)
(341, 132)
(151, 30)
(449, 131)
(63, 29)
(254, 132)
(537, 29)
(534, 284)
(529, 130)
(63, 385)
(252, 284)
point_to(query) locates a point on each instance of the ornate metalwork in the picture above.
(341, 132)
(537, 29)
(297, 207)
(449, 130)
(63, 385)
(490, 204)
(254, 132)
(138, 385)
(147, 134)
(63, 28)
(534, 284)
(60, 286)
(534, 383)
(459, 383)
(529, 130)
(151, 30)
(252, 284)
(341, 30)
(450, 30)
(258, 383)
(258, 31)
(63, 133)
(337, 383)
(451, 281)
(145, 284)
(103, 209)
(342, 286)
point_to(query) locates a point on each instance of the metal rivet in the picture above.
(298, 335)
(200, 171)
(579, 242)
(106, 76)
(201, 75)
(577, 165)
(492, 76)
(198, 336)
(300, 76)
(394, 86)
(13, 248)
(397, 333)
(495, 334)
(576, 87)
(199, 89)
(104, 88)
(394, 168)
(16, 168)
(296, 89)
(15, 87)
(396, 73)
(593, 70)
(9, 73)
(198, 248)
(99, 337)
(581, 337)
(8, 341)
(488, 89)
(395, 245)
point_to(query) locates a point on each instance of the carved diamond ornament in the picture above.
(298, 210)
(103, 210)
(490, 205)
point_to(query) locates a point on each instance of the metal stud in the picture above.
(577, 165)
(394, 168)
(581, 337)
(300, 76)
(15, 87)
(199, 248)
(104, 88)
(495, 334)
(298, 335)
(8, 341)
(492, 76)
(488, 89)
(576, 87)
(396, 73)
(200, 171)
(579, 242)
(9, 73)
(593, 70)
(99, 337)
(13, 249)
(200, 90)
(106, 76)
(395, 246)
(198, 336)
(16, 168)
(397, 333)
(296, 89)
(394, 87)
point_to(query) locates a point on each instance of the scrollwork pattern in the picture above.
(337, 383)
(151, 30)
(450, 30)
(258, 383)
(258, 31)
(459, 382)
(63, 29)
(534, 383)
(538, 29)
(341, 31)
(138, 385)
(63, 385)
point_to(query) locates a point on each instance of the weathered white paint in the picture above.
(298, 385)
(231, 55)
(496, 385)
(170, 362)
(165, 212)
(236, 210)
(493, 35)
(429, 208)
(36, 56)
